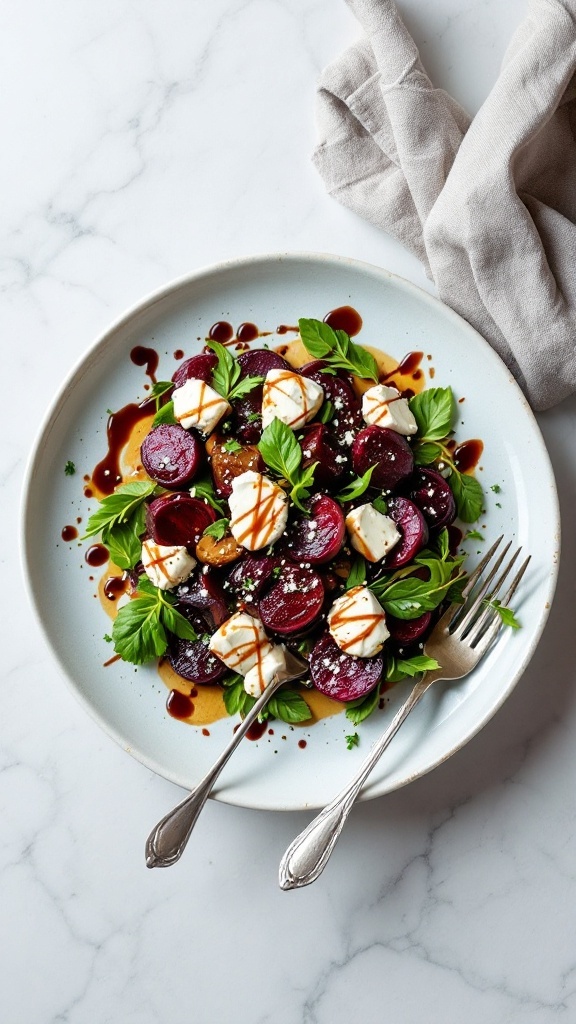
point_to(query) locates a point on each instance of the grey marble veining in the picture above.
(142, 141)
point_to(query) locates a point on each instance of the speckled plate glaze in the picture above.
(275, 772)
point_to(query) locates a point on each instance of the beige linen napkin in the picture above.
(489, 206)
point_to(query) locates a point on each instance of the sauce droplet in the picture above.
(256, 730)
(408, 365)
(247, 332)
(178, 705)
(179, 353)
(96, 555)
(467, 455)
(285, 328)
(69, 533)
(205, 732)
(147, 357)
(345, 318)
(115, 586)
(221, 331)
(107, 474)
(301, 744)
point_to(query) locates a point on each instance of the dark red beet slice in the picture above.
(430, 492)
(247, 417)
(408, 631)
(171, 455)
(199, 367)
(318, 446)
(342, 676)
(192, 660)
(294, 602)
(318, 537)
(258, 361)
(413, 530)
(388, 451)
(178, 519)
(204, 591)
(249, 577)
(338, 390)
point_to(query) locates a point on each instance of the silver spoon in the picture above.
(167, 841)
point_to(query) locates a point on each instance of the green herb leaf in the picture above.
(139, 629)
(289, 706)
(410, 597)
(244, 387)
(232, 446)
(506, 614)
(380, 505)
(358, 710)
(227, 371)
(282, 453)
(357, 574)
(161, 387)
(119, 507)
(326, 412)
(413, 666)
(165, 414)
(301, 489)
(426, 452)
(443, 544)
(352, 741)
(496, 488)
(356, 487)
(124, 545)
(107, 638)
(474, 535)
(322, 342)
(433, 410)
(204, 489)
(217, 529)
(69, 468)
(468, 496)
(236, 700)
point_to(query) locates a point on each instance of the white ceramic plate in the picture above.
(275, 773)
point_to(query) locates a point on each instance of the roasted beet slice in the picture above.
(319, 446)
(317, 365)
(342, 676)
(294, 602)
(171, 455)
(249, 577)
(199, 367)
(318, 537)
(178, 519)
(204, 591)
(228, 464)
(408, 631)
(259, 361)
(413, 530)
(388, 451)
(338, 390)
(430, 492)
(192, 660)
(247, 417)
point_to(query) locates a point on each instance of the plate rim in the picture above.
(228, 796)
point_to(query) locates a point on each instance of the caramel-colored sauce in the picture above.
(208, 702)
(345, 318)
(467, 455)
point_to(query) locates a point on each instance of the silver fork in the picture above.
(167, 841)
(458, 642)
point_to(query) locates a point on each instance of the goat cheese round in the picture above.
(371, 533)
(357, 623)
(383, 407)
(241, 642)
(165, 566)
(196, 404)
(258, 510)
(291, 398)
(257, 679)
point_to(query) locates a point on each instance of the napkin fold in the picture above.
(488, 205)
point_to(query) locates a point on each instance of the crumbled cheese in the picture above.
(166, 566)
(357, 623)
(384, 407)
(371, 533)
(290, 397)
(258, 510)
(240, 642)
(196, 404)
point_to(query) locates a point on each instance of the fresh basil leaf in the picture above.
(357, 574)
(244, 387)
(410, 597)
(289, 706)
(468, 496)
(413, 666)
(280, 450)
(358, 710)
(356, 487)
(380, 505)
(474, 535)
(118, 507)
(165, 414)
(161, 387)
(426, 452)
(336, 347)
(233, 697)
(227, 371)
(217, 529)
(176, 623)
(433, 410)
(204, 489)
(352, 741)
(301, 489)
(326, 412)
(137, 631)
(318, 338)
(124, 544)
(443, 544)
(506, 614)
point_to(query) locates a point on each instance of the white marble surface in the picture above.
(141, 141)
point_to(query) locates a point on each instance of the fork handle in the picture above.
(308, 854)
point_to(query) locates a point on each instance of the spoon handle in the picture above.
(168, 839)
(308, 854)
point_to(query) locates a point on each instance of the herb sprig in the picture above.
(356, 487)
(140, 629)
(120, 519)
(287, 705)
(336, 347)
(282, 453)
(226, 374)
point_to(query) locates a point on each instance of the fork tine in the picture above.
(472, 580)
(482, 645)
(470, 613)
(486, 615)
